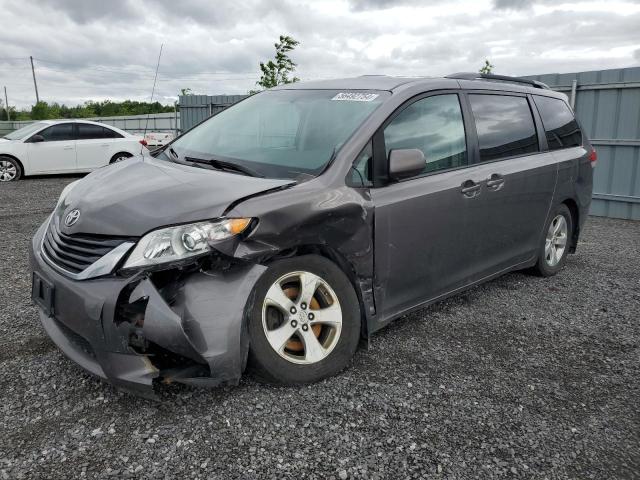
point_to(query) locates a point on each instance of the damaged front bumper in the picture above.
(132, 331)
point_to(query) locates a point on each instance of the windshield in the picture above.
(281, 133)
(25, 131)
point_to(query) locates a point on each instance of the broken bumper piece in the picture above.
(132, 332)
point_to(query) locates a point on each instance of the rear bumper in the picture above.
(203, 326)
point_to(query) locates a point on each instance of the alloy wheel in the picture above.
(8, 171)
(556, 241)
(302, 317)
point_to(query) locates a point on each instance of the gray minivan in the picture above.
(285, 229)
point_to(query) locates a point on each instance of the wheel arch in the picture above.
(16, 159)
(337, 259)
(572, 205)
(113, 157)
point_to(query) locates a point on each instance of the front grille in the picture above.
(74, 253)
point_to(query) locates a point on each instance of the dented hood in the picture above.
(135, 196)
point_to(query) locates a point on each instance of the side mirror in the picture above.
(405, 162)
(36, 139)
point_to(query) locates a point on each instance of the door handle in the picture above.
(104, 145)
(495, 182)
(68, 147)
(470, 189)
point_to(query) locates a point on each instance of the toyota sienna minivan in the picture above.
(284, 230)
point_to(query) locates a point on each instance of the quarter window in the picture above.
(505, 126)
(361, 174)
(433, 125)
(57, 133)
(560, 126)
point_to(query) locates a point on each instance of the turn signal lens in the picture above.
(237, 225)
(593, 157)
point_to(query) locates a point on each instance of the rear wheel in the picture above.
(10, 169)
(304, 324)
(118, 157)
(555, 244)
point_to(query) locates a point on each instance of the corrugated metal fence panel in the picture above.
(607, 103)
(9, 126)
(157, 122)
(197, 108)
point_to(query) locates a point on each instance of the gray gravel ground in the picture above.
(520, 378)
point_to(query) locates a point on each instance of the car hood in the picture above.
(137, 195)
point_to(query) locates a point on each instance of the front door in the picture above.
(426, 227)
(57, 153)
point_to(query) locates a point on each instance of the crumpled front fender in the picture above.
(205, 322)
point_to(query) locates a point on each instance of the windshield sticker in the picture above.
(355, 97)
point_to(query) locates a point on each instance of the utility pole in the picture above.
(6, 103)
(33, 71)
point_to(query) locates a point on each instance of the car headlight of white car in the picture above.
(182, 242)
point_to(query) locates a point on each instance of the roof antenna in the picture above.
(153, 91)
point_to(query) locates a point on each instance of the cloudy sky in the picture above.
(100, 49)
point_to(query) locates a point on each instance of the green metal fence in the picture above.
(607, 103)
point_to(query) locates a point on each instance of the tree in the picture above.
(186, 91)
(487, 67)
(277, 72)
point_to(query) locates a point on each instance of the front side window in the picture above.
(560, 126)
(281, 133)
(58, 133)
(505, 126)
(433, 125)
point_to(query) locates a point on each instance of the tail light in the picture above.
(593, 157)
(143, 142)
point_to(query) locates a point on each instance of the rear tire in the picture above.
(295, 340)
(118, 157)
(555, 244)
(10, 169)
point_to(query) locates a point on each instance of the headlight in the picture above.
(183, 241)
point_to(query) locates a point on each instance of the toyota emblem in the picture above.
(72, 217)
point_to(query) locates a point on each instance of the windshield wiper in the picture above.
(222, 165)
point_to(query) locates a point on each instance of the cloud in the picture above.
(108, 49)
(512, 4)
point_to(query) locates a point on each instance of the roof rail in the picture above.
(500, 78)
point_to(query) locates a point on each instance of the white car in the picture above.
(64, 146)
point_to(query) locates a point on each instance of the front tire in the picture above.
(10, 169)
(304, 323)
(555, 245)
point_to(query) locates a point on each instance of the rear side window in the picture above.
(560, 125)
(433, 125)
(86, 131)
(57, 133)
(505, 126)
(108, 133)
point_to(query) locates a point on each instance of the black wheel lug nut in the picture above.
(293, 310)
(305, 328)
(303, 305)
(294, 324)
(310, 316)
